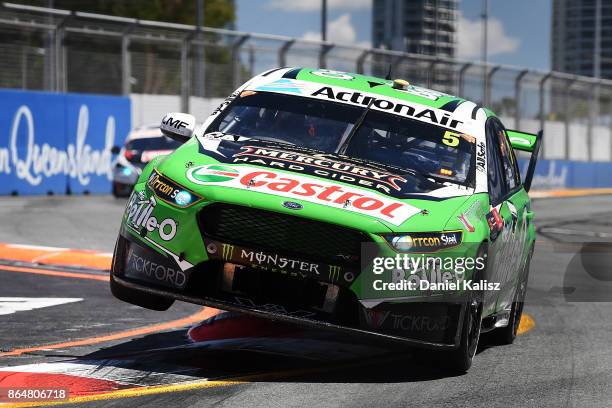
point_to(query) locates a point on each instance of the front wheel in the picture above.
(506, 335)
(138, 298)
(460, 359)
(135, 297)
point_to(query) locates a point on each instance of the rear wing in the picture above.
(527, 142)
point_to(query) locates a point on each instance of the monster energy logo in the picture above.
(334, 273)
(227, 252)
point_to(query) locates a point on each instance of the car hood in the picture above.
(315, 185)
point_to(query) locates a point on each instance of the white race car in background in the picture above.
(141, 146)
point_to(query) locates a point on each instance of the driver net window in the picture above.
(508, 160)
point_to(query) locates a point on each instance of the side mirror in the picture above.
(115, 149)
(522, 140)
(178, 126)
(527, 142)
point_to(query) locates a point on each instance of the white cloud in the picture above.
(315, 5)
(339, 31)
(469, 36)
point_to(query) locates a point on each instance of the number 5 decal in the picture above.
(451, 138)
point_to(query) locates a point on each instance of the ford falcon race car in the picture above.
(320, 197)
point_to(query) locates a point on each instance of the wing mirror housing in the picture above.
(527, 142)
(522, 141)
(178, 126)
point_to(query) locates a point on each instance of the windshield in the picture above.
(325, 126)
(406, 143)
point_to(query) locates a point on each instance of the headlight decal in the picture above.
(170, 192)
(424, 242)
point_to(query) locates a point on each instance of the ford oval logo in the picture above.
(292, 205)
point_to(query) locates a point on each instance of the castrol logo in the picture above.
(307, 189)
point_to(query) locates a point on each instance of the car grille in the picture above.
(281, 233)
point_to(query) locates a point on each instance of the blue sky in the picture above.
(519, 29)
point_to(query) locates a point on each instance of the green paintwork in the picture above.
(361, 83)
(522, 140)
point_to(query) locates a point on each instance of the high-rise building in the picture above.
(417, 26)
(582, 37)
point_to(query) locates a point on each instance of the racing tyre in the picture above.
(506, 335)
(460, 359)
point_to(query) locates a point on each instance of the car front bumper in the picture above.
(296, 300)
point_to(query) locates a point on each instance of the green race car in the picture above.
(340, 201)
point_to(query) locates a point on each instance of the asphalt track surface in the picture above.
(565, 360)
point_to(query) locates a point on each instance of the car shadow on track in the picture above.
(296, 355)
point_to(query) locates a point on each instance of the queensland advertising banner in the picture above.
(562, 174)
(59, 143)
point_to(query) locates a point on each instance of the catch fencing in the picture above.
(63, 51)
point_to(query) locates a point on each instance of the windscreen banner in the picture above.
(58, 143)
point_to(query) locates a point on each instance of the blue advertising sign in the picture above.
(561, 174)
(58, 143)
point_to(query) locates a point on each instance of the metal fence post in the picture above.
(251, 60)
(50, 77)
(517, 98)
(199, 80)
(461, 83)
(395, 62)
(325, 49)
(430, 73)
(359, 66)
(566, 114)
(50, 64)
(542, 115)
(236, 67)
(282, 53)
(593, 112)
(186, 71)
(489, 85)
(126, 61)
(198, 75)
(24, 68)
(60, 57)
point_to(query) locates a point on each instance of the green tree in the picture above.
(217, 13)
